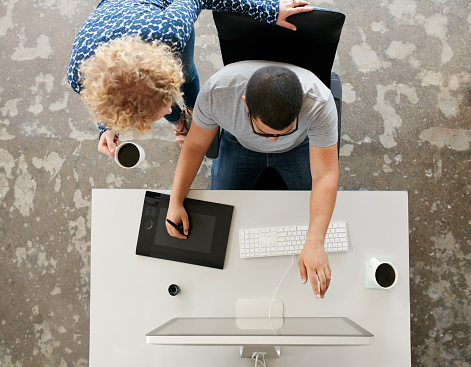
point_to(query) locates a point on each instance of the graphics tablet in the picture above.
(206, 243)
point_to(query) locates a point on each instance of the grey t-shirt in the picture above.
(220, 103)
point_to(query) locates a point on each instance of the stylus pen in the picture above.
(178, 228)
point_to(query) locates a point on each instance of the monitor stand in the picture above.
(270, 351)
(253, 314)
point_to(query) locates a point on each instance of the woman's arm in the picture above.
(178, 18)
(267, 11)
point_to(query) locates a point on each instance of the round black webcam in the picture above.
(173, 289)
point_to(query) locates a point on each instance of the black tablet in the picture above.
(206, 243)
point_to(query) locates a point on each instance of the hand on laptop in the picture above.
(314, 264)
(178, 216)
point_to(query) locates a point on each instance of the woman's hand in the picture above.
(108, 143)
(290, 7)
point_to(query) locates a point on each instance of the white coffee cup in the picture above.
(129, 155)
(380, 274)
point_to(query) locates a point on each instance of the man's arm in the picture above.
(196, 144)
(313, 261)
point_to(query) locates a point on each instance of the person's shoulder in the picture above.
(312, 86)
(233, 75)
(243, 68)
(305, 75)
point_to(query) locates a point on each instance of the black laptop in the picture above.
(206, 243)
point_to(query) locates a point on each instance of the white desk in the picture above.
(129, 294)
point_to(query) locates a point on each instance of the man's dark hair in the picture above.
(275, 96)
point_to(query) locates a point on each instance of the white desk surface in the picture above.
(129, 294)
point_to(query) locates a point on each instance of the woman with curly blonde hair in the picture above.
(131, 59)
(128, 82)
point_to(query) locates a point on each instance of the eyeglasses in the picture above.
(265, 135)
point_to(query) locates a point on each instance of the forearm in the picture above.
(325, 177)
(321, 204)
(192, 154)
(187, 168)
(265, 11)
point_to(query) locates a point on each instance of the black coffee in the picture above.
(385, 275)
(128, 155)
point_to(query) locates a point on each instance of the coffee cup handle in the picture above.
(374, 262)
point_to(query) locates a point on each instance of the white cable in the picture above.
(256, 355)
(276, 290)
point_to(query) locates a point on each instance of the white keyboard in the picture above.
(287, 240)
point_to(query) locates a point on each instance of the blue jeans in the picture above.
(238, 168)
(191, 85)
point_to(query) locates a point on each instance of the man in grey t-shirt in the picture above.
(275, 114)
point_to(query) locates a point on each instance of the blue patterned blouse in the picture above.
(169, 21)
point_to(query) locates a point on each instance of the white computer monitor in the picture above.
(295, 331)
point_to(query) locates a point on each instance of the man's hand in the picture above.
(108, 143)
(177, 214)
(290, 7)
(314, 263)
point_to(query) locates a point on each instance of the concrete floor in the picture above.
(406, 126)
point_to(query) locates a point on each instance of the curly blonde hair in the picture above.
(127, 80)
